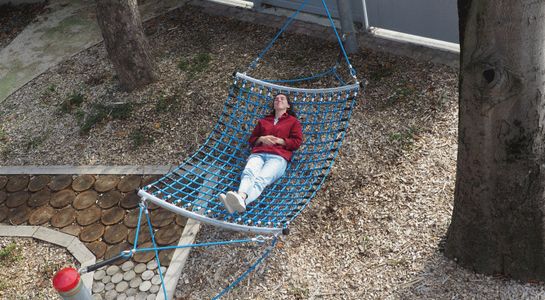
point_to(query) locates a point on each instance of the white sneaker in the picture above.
(234, 201)
(222, 197)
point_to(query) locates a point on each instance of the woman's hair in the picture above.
(291, 111)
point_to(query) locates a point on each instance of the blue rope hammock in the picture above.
(192, 188)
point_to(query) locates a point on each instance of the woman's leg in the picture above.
(249, 174)
(273, 168)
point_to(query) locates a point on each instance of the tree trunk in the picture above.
(498, 219)
(124, 38)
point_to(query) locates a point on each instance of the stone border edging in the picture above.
(76, 170)
(179, 258)
(70, 242)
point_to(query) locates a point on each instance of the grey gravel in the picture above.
(144, 286)
(131, 292)
(126, 266)
(122, 286)
(152, 265)
(117, 277)
(129, 275)
(147, 275)
(111, 270)
(139, 268)
(109, 286)
(110, 295)
(99, 274)
(135, 282)
(98, 287)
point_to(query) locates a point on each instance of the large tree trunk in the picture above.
(125, 41)
(498, 219)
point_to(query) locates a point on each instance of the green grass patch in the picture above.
(195, 65)
(10, 253)
(101, 112)
(165, 103)
(3, 135)
(75, 99)
(405, 137)
(140, 137)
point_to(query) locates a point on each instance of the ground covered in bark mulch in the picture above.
(14, 18)
(373, 231)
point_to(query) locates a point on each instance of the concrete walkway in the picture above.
(67, 28)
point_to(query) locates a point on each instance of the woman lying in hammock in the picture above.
(273, 140)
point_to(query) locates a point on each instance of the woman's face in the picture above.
(281, 102)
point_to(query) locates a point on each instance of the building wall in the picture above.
(436, 19)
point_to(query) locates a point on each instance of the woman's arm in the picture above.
(294, 141)
(256, 134)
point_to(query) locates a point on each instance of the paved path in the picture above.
(67, 27)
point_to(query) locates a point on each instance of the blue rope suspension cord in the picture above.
(250, 269)
(271, 43)
(352, 71)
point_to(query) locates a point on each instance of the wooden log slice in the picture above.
(109, 199)
(152, 206)
(4, 212)
(91, 233)
(162, 217)
(131, 200)
(98, 248)
(17, 183)
(19, 215)
(129, 183)
(41, 215)
(106, 183)
(85, 199)
(143, 236)
(38, 182)
(168, 234)
(72, 229)
(88, 216)
(60, 182)
(115, 250)
(63, 217)
(3, 181)
(62, 198)
(40, 198)
(17, 199)
(150, 179)
(131, 218)
(115, 234)
(112, 216)
(145, 256)
(3, 196)
(165, 257)
(181, 220)
(83, 182)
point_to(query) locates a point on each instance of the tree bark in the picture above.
(124, 38)
(498, 218)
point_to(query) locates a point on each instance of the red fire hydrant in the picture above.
(68, 284)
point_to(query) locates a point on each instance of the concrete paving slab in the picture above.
(80, 252)
(102, 170)
(68, 27)
(20, 231)
(53, 236)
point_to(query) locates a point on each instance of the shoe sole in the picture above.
(222, 200)
(231, 200)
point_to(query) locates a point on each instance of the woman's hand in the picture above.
(267, 140)
(270, 140)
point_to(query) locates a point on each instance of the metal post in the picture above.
(347, 26)
(68, 284)
(365, 17)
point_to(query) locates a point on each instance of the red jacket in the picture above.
(287, 128)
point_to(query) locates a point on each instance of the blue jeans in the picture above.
(261, 170)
